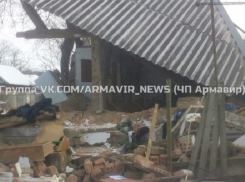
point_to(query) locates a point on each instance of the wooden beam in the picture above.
(95, 71)
(11, 121)
(52, 34)
(206, 137)
(34, 16)
(153, 124)
(169, 126)
(199, 136)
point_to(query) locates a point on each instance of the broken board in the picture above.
(35, 152)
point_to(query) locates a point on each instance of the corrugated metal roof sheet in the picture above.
(172, 34)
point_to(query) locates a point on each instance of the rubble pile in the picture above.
(86, 150)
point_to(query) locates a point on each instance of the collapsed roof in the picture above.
(173, 34)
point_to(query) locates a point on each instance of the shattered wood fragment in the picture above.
(64, 145)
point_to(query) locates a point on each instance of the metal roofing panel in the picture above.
(173, 34)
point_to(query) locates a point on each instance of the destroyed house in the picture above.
(143, 42)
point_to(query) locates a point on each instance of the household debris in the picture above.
(116, 151)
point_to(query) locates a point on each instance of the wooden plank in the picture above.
(95, 71)
(199, 136)
(153, 124)
(169, 127)
(215, 141)
(9, 121)
(223, 141)
(206, 137)
(33, 15)
(35, 152)
(52, 34)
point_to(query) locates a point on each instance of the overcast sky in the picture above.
(236, 12)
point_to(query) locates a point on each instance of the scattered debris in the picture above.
(76, 147)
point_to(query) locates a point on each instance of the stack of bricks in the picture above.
(159, 159)
(100, 168)
(184, 143)
(150, 165)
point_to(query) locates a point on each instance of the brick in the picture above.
(72, 178)
(142, 161)
(157, 150)
(141, 149)
(109, 168)
(100, 161)
(96, 173)
(163, 159)
(119, 167)
(184, 143)
(58, 159)
(40, 169)
(184, 158)
(155, 159)
(162, 171)
(176, 152)
(88, 165)
(148, 176)
(80, 173)
(99, 167)
(52, 170)
(182, 173)
(87, 178)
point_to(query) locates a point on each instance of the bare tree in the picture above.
(47, 51)
(12, 56)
